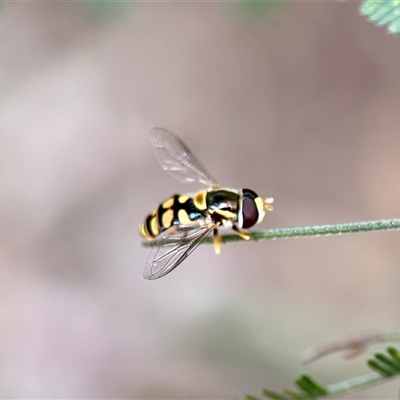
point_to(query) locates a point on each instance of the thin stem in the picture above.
(344, 387)
(385, 365)
(355, 384)
(316, 230)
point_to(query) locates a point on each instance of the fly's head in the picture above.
(252, 209)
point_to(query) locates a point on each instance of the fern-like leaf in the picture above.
(383, 12)
(384, 365)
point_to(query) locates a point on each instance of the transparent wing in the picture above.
(176, 158)
(174, 249)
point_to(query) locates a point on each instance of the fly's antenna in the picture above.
(268, 203)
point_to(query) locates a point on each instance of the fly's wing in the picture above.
(174, 249)
(176, 158)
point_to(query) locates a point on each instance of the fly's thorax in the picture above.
(251, 209)
(223, 204)
(177, 210)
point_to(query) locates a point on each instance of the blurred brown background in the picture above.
(299, 101)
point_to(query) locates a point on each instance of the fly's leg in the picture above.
(217, 242)
(242, 234)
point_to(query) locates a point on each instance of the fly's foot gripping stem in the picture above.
(242, 234)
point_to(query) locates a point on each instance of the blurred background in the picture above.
(295, 100)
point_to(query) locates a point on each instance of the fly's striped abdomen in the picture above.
(176, 210)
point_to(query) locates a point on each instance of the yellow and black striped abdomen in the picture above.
(176, 210)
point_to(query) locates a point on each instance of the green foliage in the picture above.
(383, 12)
(385, 365)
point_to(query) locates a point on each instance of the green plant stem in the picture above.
(340, 388)
(316, 230)
(355, 384)
(385, 365)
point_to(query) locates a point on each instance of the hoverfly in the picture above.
(183, 221)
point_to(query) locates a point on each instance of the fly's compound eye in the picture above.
(249, 209)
